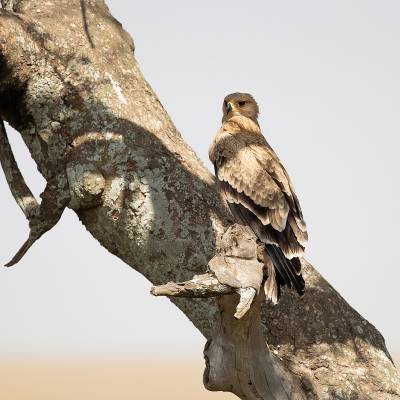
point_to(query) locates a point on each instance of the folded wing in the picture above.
(251, 176)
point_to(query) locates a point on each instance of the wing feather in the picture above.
(251, 175)
(246, 176)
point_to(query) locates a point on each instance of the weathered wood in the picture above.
(238, 360)
(201, 286)
(234, 269)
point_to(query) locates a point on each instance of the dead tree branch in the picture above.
(235, 269)
(16, 182)
(201, 286)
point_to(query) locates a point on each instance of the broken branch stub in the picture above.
(200, 286)
(234, 269)
(237, 359)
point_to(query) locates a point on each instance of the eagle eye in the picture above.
(241, 103)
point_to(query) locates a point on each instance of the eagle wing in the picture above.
(258, 190)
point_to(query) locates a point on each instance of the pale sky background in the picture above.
(326, 75)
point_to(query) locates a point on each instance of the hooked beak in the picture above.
(228, 108)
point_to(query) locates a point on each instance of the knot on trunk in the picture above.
(86, 186)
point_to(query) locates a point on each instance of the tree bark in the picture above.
(69, 83)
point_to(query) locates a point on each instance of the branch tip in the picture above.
(206, 285)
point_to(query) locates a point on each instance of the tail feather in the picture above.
(279, 264)
(272, 287)
(288, 270)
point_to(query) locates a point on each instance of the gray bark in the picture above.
(69, 83)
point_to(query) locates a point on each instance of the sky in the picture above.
(326, 75)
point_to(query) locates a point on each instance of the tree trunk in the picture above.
(69, 83)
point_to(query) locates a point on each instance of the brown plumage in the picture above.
(259, 192)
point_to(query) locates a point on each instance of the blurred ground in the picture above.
(104, 380)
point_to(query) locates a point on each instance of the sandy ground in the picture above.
(104, 379)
